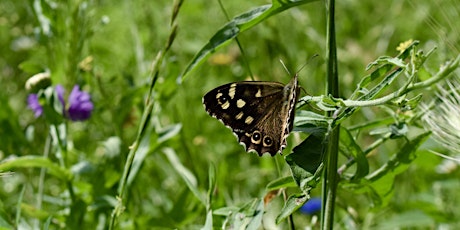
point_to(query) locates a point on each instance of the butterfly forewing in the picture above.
(259, 113)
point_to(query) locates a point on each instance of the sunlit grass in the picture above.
(108, 49)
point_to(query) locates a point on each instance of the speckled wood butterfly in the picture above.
(260, 113)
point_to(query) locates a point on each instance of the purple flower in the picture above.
(32, 102)
(311, 206)
(60, 92)
(80, 105)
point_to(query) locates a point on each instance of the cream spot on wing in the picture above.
(249, 120)
(240, 103)
(232, 90)
(225, 105)
(259, 93)
(239, 115)
(218, 95)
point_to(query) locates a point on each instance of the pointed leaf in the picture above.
(212, 184)
(309, 122)
(381, 181)
(238, 25)
(208, 224)
(284, 182)
(38, 162)
(305, 162)
(293, 203)
(187, 176)
(247, 217)
(349, 146)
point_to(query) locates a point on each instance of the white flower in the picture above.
(442, 118)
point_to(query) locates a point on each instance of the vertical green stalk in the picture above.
(41, 180)
(330, 170)
(145, 121)
(76, 210)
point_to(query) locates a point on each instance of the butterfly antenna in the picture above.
(300, 69)
(308, 61)
(285, 68)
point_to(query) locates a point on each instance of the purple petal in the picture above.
(60, 92)
(80, 105)
(34, 104)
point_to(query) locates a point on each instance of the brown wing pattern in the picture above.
(259, 113)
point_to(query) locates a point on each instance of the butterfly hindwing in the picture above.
(259, 113)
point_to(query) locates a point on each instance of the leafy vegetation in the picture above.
(149, 157)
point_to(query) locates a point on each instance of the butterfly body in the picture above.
(260, 113)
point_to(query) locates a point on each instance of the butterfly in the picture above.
(260, 113)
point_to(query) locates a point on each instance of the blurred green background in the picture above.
(107, 47)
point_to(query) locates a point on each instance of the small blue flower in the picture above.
(80, 105)
(312, 206)
(60, 92)
(32, 102)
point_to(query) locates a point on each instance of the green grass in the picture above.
(186, 164)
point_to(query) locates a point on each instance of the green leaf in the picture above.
(36, 162)
(212, 184)
(371, 94)
(414, 219)
(247, 217)
(208, 223)
(398, 130)
(31, 67)
(384, 60)
(408, 104)
(225, 211)
(384, 65)
(238, 25)
(310, 122)
(305, 162)
(284, 182)
(145, 147)
(185, 209)
(18, 205)
(381, 181)
(256, 220)
(4, 225)
(349, 147)
(293, 203)
(168, 132)
(188, 177)
(150, 143)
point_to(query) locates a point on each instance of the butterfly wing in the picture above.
(270, 132)
(239, 105)
(258, 112)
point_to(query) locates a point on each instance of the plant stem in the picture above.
(41, 180)
(330, 170)
(146, 115)
(442, 74)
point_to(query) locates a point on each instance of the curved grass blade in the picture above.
(238, 25)
(36, 162)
